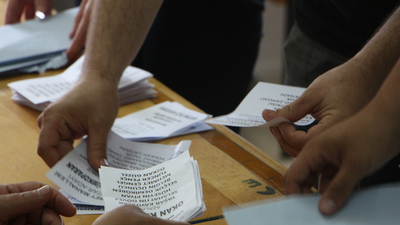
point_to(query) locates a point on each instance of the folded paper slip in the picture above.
(262, 96)
(166, 119)
(38, 93)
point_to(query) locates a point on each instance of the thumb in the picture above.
(97, 148)
(337, 192)
(17, 204)
(293, 112)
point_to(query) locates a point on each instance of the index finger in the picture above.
(78, 18)
(79, 32)
(14, 11)
(57, 201)
(20, 187)
(97, 146)
(55, 140)
(299, 178)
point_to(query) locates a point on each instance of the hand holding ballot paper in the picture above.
(160, 179)
(262, 96)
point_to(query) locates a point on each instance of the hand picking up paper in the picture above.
(82, 185)
(166, 119)
(262, 96)
(38, 93)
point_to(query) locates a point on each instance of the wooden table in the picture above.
(233, 171)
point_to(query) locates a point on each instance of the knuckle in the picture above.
(338, 190)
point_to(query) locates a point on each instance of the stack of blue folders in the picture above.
(36, 45)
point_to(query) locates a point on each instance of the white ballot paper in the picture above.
(38, 93)
(160, 121)
(377, 205)
(74, 175)
(171, 190)
(262, 96)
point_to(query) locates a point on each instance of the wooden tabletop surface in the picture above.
(233, 171)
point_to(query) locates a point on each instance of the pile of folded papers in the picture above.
(38, 93)
(163, 180)
(36, 45)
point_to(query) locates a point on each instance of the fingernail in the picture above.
(272, 129)
(327, 206)
(103, 162)
(43, 191)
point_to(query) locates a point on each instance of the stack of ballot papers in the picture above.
(38, 93)
(371, 206)
(166, 119)
(262, 96)
(163, 180)
(36, 45)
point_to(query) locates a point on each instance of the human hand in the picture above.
(332, 97)
(33, 203)
(132, 215)
(343, 155)
(89, 108)
(16, 8)
(79, 32)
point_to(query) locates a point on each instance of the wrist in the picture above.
(100, 77)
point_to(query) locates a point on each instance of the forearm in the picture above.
(384, 107)
(380, 54)
(116, 33)
(380, 122)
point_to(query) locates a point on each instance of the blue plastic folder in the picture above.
(35, 42)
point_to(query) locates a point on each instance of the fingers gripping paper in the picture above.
(262, 96)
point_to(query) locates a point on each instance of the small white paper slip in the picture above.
(377, 205)
(159, 121)
(74, 174)
(262, 96)
(169, 190)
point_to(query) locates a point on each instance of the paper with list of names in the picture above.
(262, 96)
(167, 191)
(166, 119)
(82, 185)
(74, 175)
(38, 93)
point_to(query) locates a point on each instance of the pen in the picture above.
(206, 219)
